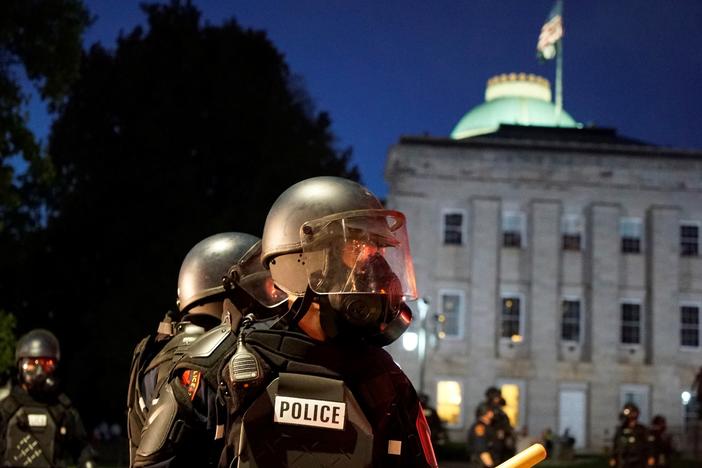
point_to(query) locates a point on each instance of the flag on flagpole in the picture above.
(551, 33)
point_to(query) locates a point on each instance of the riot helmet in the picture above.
(205, 281)
(331, 238)
(37, 355)
(484, 411)
(630, 412)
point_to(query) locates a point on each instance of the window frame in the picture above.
(579, 300)
(463, 229)
(698, 306)
(522, 229)
(579, 219)
(622, 238)
(642, 324)
(691, 223)
(522, 315)
(461, 310)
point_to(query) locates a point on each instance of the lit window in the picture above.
(450, 314)
(448, 401)
(453, 228)
(690, 326)
(631, 323)
(689, 239)
(570, 321)
(510, 392)
(630, 232)
(571, 229)
(512, 229)
(511, 324)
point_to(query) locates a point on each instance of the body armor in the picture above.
(291, 414)
(42, 433)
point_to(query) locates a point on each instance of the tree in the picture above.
(183, 131)
(43, 40)
(7, 342)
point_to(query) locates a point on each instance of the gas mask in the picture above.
(358, 264)
(38, 373)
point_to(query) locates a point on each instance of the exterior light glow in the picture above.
(442, 335)
(410, 340)
(685, 397)
(517, 338)
(442, 318)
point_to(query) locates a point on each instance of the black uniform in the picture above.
(504, 444)
(384, 422)
(481, 438)
(152, 385)
(661, 446)
(631, 447)
(41, 431)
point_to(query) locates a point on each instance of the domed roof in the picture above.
(515, 99)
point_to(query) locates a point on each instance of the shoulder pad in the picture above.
(161, 419)
(206, 344)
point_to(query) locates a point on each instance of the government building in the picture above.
(558, 262)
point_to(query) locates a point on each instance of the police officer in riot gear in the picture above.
(169, 413)
(482, 438)
(631, 447)
(39, 425)
(504, 445)
(661, 442)
(316, 386)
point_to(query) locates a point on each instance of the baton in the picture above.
(526, 458)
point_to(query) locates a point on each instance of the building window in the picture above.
(630, 232)
(571, 232)
(631, 323)
(450, 314)
(448, 402)
(511, 318)
(511, 393)
(637, 394)
(689, 239)
(690, 326)
(453, 228)
(512, 229)
(570, 320)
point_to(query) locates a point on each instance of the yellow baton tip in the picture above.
(526, 458)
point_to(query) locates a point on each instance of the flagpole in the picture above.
(559, 78)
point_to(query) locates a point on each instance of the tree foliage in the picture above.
(185, 130)
(7, 342)
(42, 40)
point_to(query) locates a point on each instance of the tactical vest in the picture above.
(155, 360)
(309, 409)
(34, 432)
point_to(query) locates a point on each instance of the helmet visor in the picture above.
(256, 280)
(363, 252)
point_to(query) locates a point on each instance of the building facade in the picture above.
(557, 262)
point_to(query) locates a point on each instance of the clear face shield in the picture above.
(250, 275)
(37, 373)
(361, 261)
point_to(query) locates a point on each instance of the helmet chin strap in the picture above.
(297, 310)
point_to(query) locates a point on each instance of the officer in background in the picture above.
(39, 425)
(436, 425)
(661, 441)
(481, 438)
(631, 446)
(202, 300)
(504, 446)
(315, 386)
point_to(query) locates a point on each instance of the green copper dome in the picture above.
(515, 99)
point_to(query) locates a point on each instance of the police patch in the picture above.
(309, 412)
(37, 420)
(479, 430)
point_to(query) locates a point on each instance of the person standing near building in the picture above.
(631, 445)
(436, 425)
(481, 438)
(504, 445)
(39, 427)
(316, 386)
(661, 441)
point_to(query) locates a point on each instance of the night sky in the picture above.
(383, 69)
